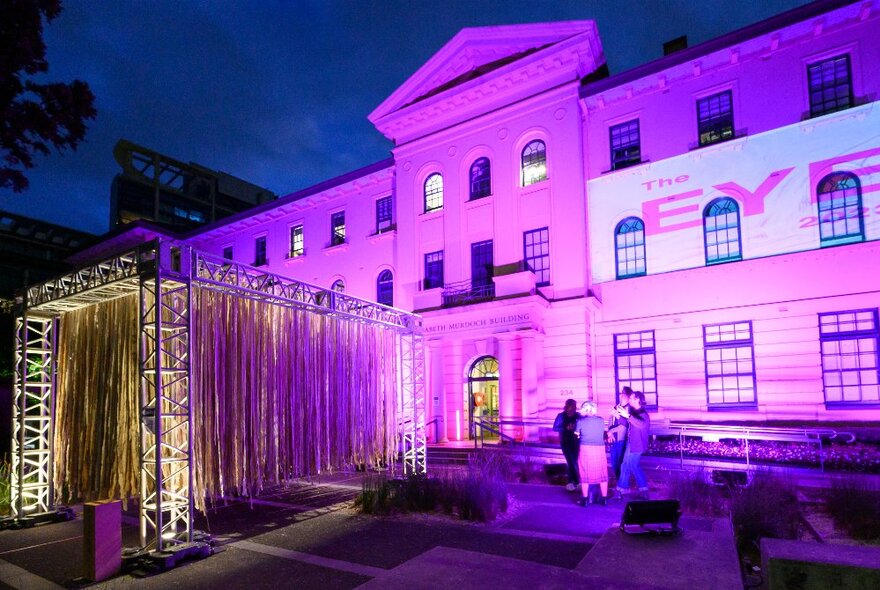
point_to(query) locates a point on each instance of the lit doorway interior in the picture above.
(482, 393)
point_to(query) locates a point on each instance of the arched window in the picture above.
(629, 247)
(481, 182)
(338, 286)
(721, 231)
(839, 198)
(534, 163)
(385, 288)
(433, 193)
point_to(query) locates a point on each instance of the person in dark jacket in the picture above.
(636, 444)
(565, 424)
(617, 426)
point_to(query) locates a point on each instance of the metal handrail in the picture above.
(436, 423)
(464, 292)
(719, 431)
(494, 427)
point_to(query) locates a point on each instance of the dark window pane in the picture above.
(536, 253)
(715, 118)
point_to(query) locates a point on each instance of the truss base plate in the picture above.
(62, 514)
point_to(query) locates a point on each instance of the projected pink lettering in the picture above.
(689, 215)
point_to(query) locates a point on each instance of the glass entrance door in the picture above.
(482, 393)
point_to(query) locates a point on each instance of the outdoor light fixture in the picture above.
(651, 516)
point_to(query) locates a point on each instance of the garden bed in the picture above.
(859, 457)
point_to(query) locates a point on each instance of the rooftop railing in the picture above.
(467, 292)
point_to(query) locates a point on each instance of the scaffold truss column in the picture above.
(411, 419)
(34, 390)
(166, 509)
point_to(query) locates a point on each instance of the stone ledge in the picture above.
(819, 566)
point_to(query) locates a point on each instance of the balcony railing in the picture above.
(467, 292)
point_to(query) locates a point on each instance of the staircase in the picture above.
(536, 452)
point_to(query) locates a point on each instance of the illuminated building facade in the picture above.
(703, 228)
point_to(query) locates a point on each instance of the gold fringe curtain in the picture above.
(276, 393)
(96, 405)
(279, 393)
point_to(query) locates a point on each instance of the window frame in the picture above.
(734, 344)
(617, 249)
(481, 187)
(228, 252)
(640, 351)
(706, 216)
(385, 286)
(482, 263)
(539, 274)
(438, 260)
(715, 123)
(261, 254)
(814, 112)
(293, 252)
(872, 334)
(620, 162)
(384, 214)
(436, 193)
(534, 162)
(337, 237)
(846, 238)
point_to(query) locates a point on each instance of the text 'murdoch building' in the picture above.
(703, 228)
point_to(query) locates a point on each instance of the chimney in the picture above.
(674, 45)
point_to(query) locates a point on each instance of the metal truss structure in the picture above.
(34, 388)
(411, 404)
(166, 506)
(164, 274)
(218, 273)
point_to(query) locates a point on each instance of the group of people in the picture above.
(583, 435)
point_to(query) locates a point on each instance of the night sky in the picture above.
(278, 93)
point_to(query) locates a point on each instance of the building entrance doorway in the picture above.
(482, 393)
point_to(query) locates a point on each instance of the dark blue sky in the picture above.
(278, 92)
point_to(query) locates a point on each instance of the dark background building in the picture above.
(173, 194)
(30, 251)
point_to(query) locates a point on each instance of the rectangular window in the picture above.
(715, 118)
(729, 353)
(260, 251)
(227, 252)
(635, 364)
(626, 149)
(297, 247)
(849, 356)
(337, 228)
(830, 85)
(536, 253)
(482, 266)
(384, 216)
(434, 270)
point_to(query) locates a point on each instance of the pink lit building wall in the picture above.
(531, 307)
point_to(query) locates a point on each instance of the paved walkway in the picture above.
(307, 536)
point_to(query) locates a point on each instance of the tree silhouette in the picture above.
(34, 116)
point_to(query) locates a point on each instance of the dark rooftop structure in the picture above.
(174, 194)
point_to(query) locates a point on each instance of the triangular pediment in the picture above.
(476, 50)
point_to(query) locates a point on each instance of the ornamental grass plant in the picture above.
(478, 492)
(767, 507)
(5, 489)
(697, 494)
(854, 505)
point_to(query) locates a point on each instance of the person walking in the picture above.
(592, 464)
(636, 443)
(565, 424)
(617, 427)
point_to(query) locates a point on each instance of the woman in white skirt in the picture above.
(592, 463)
